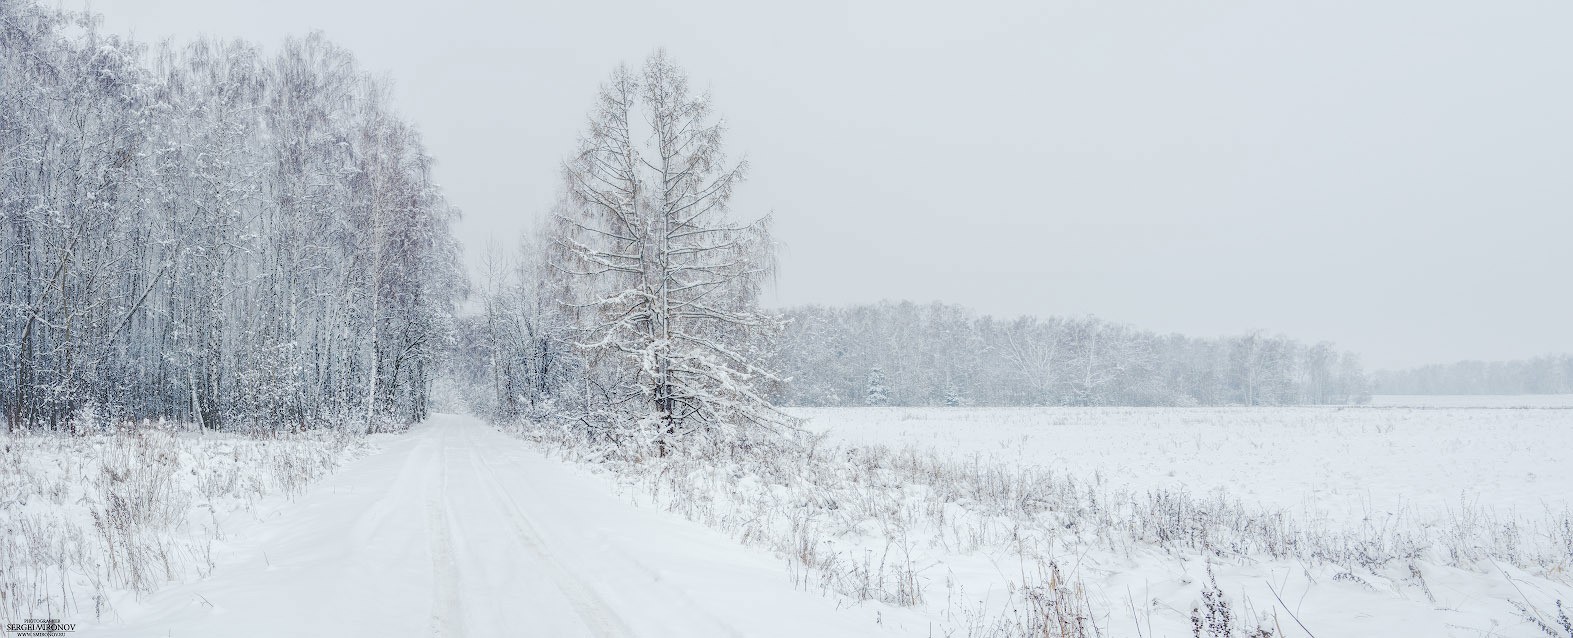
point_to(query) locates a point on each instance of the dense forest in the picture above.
(1549, 374)
(211, 234)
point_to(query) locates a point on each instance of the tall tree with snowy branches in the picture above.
(660, 275)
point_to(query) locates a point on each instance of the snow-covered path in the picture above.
(456, 529)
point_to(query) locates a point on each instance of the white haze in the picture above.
(1393, 176)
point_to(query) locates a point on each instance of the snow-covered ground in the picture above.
(1444, 495)
(901, 521)
(1323, 521)
(1339, 464)
(457, 530)
(88, 521)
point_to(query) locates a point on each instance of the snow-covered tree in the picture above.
(875, 392)
(663, 280)
(952, 395)
(211, 234)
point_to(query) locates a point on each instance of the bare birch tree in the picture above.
(210, 235)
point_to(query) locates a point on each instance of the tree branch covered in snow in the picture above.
(644, 275)
(211, 234)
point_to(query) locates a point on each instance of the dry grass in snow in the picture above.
(979, 533)
(83, 518)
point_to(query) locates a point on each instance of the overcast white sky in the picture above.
(1395, 176)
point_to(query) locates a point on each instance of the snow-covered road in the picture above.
(458, 530)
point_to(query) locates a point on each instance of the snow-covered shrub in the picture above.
(1216, 616)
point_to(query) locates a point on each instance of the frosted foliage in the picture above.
(211, 233)
(661, 280)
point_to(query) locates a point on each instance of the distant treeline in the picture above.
(937, 354)
(1549, 374)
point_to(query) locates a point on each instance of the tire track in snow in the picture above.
(447, 615)
(375, 521)
(598, 617)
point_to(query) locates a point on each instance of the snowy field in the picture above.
(1421, 516)
(1342, 464)
(1151, 522)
